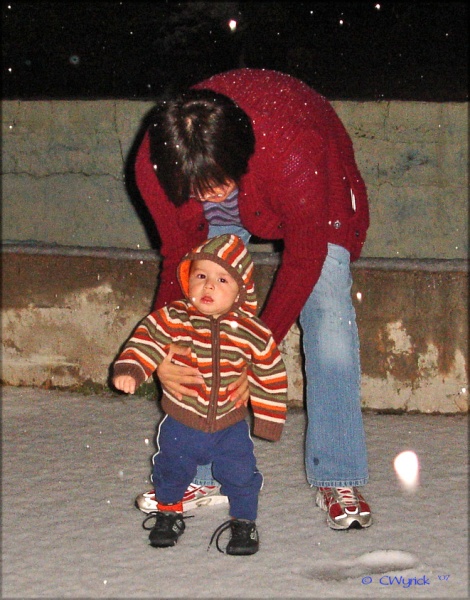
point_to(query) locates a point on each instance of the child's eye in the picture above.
(200, 276)
(223, 280)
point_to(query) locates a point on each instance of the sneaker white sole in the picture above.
(350, 522)
(147, 505)
(205, 501)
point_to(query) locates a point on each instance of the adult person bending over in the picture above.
(258, 152)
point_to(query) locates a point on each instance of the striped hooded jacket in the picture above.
(220, 348)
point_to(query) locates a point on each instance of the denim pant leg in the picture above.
(204, 472)
(242, 233)
(335, 449)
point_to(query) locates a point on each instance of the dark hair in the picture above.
(197, 141)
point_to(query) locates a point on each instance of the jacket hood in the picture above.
(230, 252)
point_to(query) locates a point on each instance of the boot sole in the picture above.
(242, 552)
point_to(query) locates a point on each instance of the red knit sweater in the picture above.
(298, 188)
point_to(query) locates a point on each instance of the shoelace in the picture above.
(238, 530)
(347, 499)
(160, 517)
(347, 496)
(217, 533)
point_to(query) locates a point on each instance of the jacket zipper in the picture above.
(214, 396)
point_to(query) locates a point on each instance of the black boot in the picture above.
(166, 530)
(244, 538)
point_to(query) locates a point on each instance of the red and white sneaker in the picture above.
(345, 506)
(194, 497)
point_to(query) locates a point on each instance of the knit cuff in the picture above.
(131, 370)
(267, 429)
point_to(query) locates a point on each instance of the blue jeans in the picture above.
(335, 448)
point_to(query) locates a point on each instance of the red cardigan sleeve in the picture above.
(298, 195)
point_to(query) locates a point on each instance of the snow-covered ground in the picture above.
(72, 465)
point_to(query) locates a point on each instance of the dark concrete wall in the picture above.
(63, 167)
(66, 311)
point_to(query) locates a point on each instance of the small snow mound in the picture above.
(389, 559)
(370, 563)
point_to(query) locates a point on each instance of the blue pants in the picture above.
(335, 447)
(181, 449)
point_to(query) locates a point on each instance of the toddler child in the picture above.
(217, 324)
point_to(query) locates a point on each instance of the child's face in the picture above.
(212, 290)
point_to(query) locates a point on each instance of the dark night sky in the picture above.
(356, 50)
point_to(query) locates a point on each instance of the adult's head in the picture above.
(200, 142)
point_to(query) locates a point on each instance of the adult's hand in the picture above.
(241, 392)
(173, 377)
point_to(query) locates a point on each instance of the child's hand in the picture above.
(125, 383)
